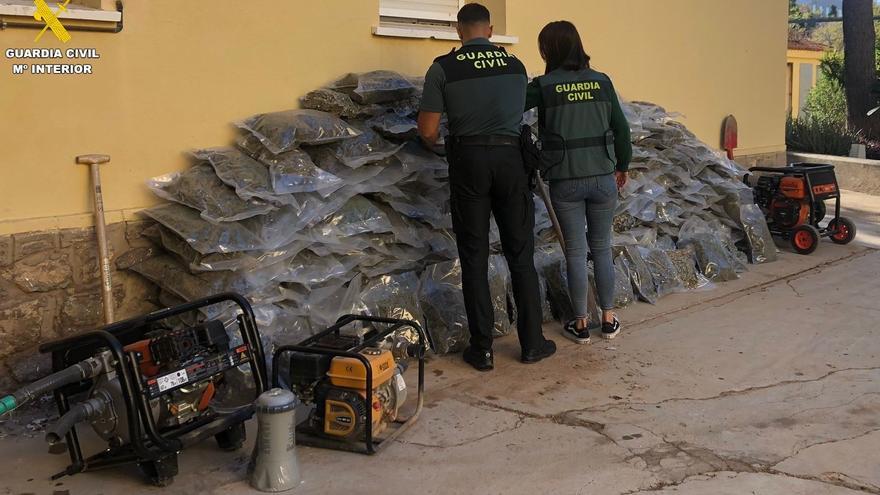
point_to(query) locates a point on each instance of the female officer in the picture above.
(582, 125)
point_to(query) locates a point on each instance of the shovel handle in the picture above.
(92, 159)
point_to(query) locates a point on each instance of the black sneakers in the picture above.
(571, 331)
(547, 349)
(481, 360)
(610, 330)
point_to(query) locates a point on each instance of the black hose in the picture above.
(72, 374)
(84, 411)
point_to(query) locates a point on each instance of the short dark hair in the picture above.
(473, 13)
(561, 47)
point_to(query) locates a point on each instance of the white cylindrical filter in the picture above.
(273, 466)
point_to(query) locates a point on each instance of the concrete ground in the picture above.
(766, 385)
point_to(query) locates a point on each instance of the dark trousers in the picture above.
(488, 180)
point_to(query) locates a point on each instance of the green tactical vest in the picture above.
(576, 107)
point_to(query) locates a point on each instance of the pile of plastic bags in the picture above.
(335, 209)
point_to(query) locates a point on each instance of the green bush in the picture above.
(812, 135)
(827, 103)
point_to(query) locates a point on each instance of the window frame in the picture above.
(73, 12)
(394, 13)
(401, 23)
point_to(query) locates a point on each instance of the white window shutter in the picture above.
(434, 10)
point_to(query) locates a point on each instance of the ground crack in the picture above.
(520, 421)
(727, 393)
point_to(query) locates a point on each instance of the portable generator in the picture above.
(152, 385)
(351, 385)
(793, 201)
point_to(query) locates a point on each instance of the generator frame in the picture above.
(369, 445)
(148, 445)
(806, 170)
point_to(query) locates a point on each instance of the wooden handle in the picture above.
(92, 159)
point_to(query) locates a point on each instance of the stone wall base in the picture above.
(50, 288)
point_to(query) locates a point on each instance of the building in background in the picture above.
(802, 72)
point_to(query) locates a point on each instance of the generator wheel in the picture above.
(805, 239)
(844, 230)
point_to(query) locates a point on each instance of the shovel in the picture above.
(94, 162)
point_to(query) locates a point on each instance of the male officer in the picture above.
(482, 90)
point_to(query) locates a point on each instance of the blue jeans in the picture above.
(587, 204)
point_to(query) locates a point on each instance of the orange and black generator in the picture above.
(793, 201)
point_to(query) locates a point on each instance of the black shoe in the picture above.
(481, 360)
(610, 330)
(547, 349)
(579, 335)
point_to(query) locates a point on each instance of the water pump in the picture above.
(153, 385)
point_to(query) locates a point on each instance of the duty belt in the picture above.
(492, 140)
(587, 142)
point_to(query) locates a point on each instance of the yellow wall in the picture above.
(181, 71)
(795, 59)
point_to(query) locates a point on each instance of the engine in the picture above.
(783, 199)
(337, 386)
(180, 372)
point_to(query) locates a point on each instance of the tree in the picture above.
(859, 43)
(833, 11)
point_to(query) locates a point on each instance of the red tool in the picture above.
(729, 135)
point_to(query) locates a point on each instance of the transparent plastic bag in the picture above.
(357, 216)
(686, 268)
(403, 229)
(417, 158)
(394, 296)
(623, 222)
(281, 325)
(556, 279)
(442, 302)
(292, 171)
(379, 86)
(368, 147)
(639, 274)
(203, 236)
(499, 290)
(325, 305)
(623, 291)
(394, 126)
(663, 271)
(714, 260)
(310, 270)
(199, 187)
(172, 276)
(263, 233)
(762, 248)
(244, 260)
(545, 256)
(431, 206)
(249, 177)
(339, 104)
(286, 130)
